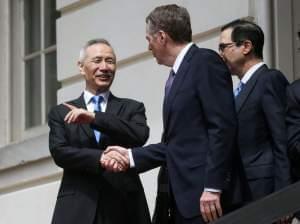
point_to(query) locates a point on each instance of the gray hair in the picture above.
(82, 53)
(172, 19)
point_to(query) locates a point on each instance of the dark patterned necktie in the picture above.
(169, 83)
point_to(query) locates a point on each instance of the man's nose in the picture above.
(103, 65)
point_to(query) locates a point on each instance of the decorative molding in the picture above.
(75, 6)
(24, 152)
(28, 175)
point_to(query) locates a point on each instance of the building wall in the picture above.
(28, 177)
(4, 62)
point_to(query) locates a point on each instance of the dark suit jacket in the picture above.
(262, 139)
(199, 130)
(85, 185)
(293, 126)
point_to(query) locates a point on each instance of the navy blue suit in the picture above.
(293, 125)
(199, 130)
(262, 139)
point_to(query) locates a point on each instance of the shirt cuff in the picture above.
(212, 190)
(131, 161)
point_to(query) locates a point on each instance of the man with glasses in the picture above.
(260, 100)
(293, 126)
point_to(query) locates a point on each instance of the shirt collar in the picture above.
(180, 57)
(88, 96)
(251, 71)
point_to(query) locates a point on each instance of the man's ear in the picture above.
(162, 37)
(80, 66)
(248, 47)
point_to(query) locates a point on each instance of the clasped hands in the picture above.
(115, 159)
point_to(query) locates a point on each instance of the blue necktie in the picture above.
(238, 89)
(97, 101)
(169, 83)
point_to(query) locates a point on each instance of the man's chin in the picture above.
(158, 61)
(102, 87)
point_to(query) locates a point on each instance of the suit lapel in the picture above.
(113, 105)
(86, 127)
(247, 89)
(179, 79)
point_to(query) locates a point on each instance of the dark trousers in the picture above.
(166, 211)
(179, 219)
(101, 216)
(109, 211)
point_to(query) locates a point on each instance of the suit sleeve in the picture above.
(216, 97)
(293, 122)
(149, 157)
(130, 131)
(64, 154)
(274, 106)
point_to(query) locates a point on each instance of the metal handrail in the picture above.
(268, 209)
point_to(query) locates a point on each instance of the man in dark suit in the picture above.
(78, 136)
(260, 101)
(293, 127)
(198, 118)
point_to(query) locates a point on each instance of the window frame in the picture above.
(18, 129)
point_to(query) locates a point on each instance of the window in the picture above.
(39, 60)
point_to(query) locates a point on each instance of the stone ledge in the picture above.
(27, 163)
(24, 152)
(29, 175)
(70, 6)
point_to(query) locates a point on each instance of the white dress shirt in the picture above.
(251, 71)
(87, 96)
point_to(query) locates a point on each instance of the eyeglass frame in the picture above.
(223, 46)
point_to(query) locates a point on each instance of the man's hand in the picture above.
(115, 159)
(210, 206)
(78, 115)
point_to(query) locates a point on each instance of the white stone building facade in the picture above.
(40, 42)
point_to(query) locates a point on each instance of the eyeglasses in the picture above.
(223, 46)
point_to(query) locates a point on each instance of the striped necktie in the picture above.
(96, 100)
(238, 89)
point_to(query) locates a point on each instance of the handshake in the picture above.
(115, 159)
